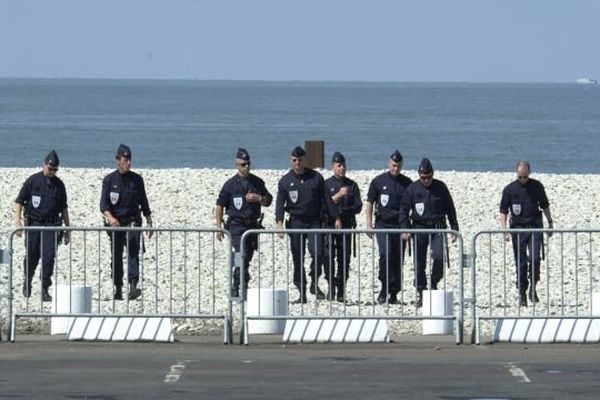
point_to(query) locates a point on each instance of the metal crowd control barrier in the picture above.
(183, 274)
(272, 268)
(568, 276)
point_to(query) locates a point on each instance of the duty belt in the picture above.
(244, 221)
(50, 220)
(427, 224)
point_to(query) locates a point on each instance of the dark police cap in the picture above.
(298, 152)
(242, 154)
(338, 158)
(123, 151)
(396, 156)
(425, 167)
(52, 159)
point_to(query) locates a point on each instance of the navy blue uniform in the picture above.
(427, 208)
(124, 195)
(386, 193)
(340, 246)
(302, 197)
(524, 202)
(242, 216)
(44, 199)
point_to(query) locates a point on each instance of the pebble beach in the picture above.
(186, 198)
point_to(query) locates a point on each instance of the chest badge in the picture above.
(114, 198)
(384, 199)
(35, 201)
(420, 207)
(294, 196)
(237, 202)
(516, 209)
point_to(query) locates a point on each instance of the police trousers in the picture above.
(338, 249)
(526, 250)
(436, 242)
(40, 244)
(236, 231)
(391, 257)
(118, 242)
(298, 243)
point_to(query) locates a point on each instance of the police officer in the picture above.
(301, 194)
(122, 202)
(44, 198)
(343, 201)
(242, 197)
(426, 205)
(386, 191)
(524, 198)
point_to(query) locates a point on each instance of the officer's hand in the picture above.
(66, 237)
(550, 226)
(338, 223)
(453, 238)
(369, 231)
(220, 236)
(19, 225)
(253, 197)
(149, 225)
(343, 192)
(406, 236)
(280, 228)
(113, 222)
(507, 236)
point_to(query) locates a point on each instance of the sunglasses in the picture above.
(243, 164)
(53, 169)
(522, 177)
(426, 177)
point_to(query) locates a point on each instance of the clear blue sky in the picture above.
(372, 40)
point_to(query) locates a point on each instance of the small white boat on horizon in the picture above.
(587, 81)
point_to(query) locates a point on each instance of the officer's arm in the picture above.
(548, 215)
(219, 216)
(503, 219)
(280, 205)
(357, 203)
(266, 198)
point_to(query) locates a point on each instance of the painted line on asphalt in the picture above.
(517, 373)
(175, 371)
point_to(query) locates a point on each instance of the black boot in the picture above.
(134, 292)
(118, 293)
(46, 295)
(301, 298)
(523, 297)
(419, 301)
(26, 289)
(533, 296)
(235, 291)
(340, 294)
(318, 292)
(382, 296)
(331, 291)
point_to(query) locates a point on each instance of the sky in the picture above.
(339, 40)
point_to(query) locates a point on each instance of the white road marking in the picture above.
(176, 371)
(518, 373)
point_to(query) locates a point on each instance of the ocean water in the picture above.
(174, 124)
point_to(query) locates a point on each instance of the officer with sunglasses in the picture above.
(427, 204)
(44, 199)
(241, 198)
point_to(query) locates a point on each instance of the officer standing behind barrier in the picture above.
(425, 205)
(242, 197)
(301, 193)
(343, 203)
(122, 202)
(44, 197)
(524, 198)
(386, 191)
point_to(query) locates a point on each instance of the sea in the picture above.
(200, 124)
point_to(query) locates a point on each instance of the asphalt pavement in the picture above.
(45, 367)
